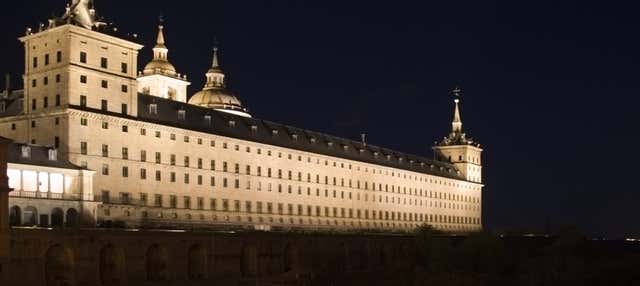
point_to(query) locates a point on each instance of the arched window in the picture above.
(57, 217)
(111, 266)
(290, 258)
(15, 216)
(156, 260)
(58, 267)
(72, 217)
(30, 216)
(249, 261)
(197, 262)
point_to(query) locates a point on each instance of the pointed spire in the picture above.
(215, 75)
(160, 41)
(456, 124)
(215, 63)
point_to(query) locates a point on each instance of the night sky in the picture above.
(550, 88)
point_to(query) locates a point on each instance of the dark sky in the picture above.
(550, 87)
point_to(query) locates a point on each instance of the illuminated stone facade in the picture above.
(160, 160)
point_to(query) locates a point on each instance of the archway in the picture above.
(72, 217)
(156, 259)
(197, 262)
(111, 266)
(249, 261)
(290, 258)
(30, 216)
(58, 267)
(57, 217)
(15, 216)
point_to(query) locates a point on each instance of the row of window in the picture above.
(45, 80)
(258, 172)
(335, 194)
(289, 209)
(248, 149)
(47, 59)
(104, 62)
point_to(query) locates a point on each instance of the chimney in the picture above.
(7, 85)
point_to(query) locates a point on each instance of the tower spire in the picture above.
(456, 124)
(215, 75)
(160, 40)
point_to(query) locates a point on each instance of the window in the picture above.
(13, 126)
(143, 199)
(153, 109)
(83, 121)
(104, 84)
(186, 139)
(45, 102)
(58, 56)
(83, 79)
(158, 134)
(125, 172)
(172, 136)
(46, 59)
(33, 104)
(83, 148)
(105, 169)
(172, 177)
(125, 153)
(143, 174)
(143, 131)
(186, 161)
(34, 83)
(35, 62)
(158, 176)
(105, 125)
(173, 160)
(83, 101)
(124, 68)
(186, 178)
(105, 197)
(182, 114)
(33, 124)
(46, 80)
(187, 202)
(103, 63)
(143, 156)
(83, 57)
(103, 104)
(125, 128)
(57, 100)
(56, 142)
(58, 78)
(105, 150)
(158, 158)
(124, 88)
(158, 200)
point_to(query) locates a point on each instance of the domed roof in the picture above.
(159, 66)
(214, 95)
(217, 99)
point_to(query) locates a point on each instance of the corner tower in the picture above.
(76, 61)
(159, 77)
(215, 95)
(459, 150)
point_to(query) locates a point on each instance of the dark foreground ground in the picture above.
(567, 258)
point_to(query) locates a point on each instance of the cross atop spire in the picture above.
(160, 43)
(456, 124)
(215, 64)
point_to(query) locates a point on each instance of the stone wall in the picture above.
(103, 257)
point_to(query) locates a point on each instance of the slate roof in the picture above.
(276, 134)
(265, 132)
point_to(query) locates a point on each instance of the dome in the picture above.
(217, 98)
(159, 67)
(214, 95)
